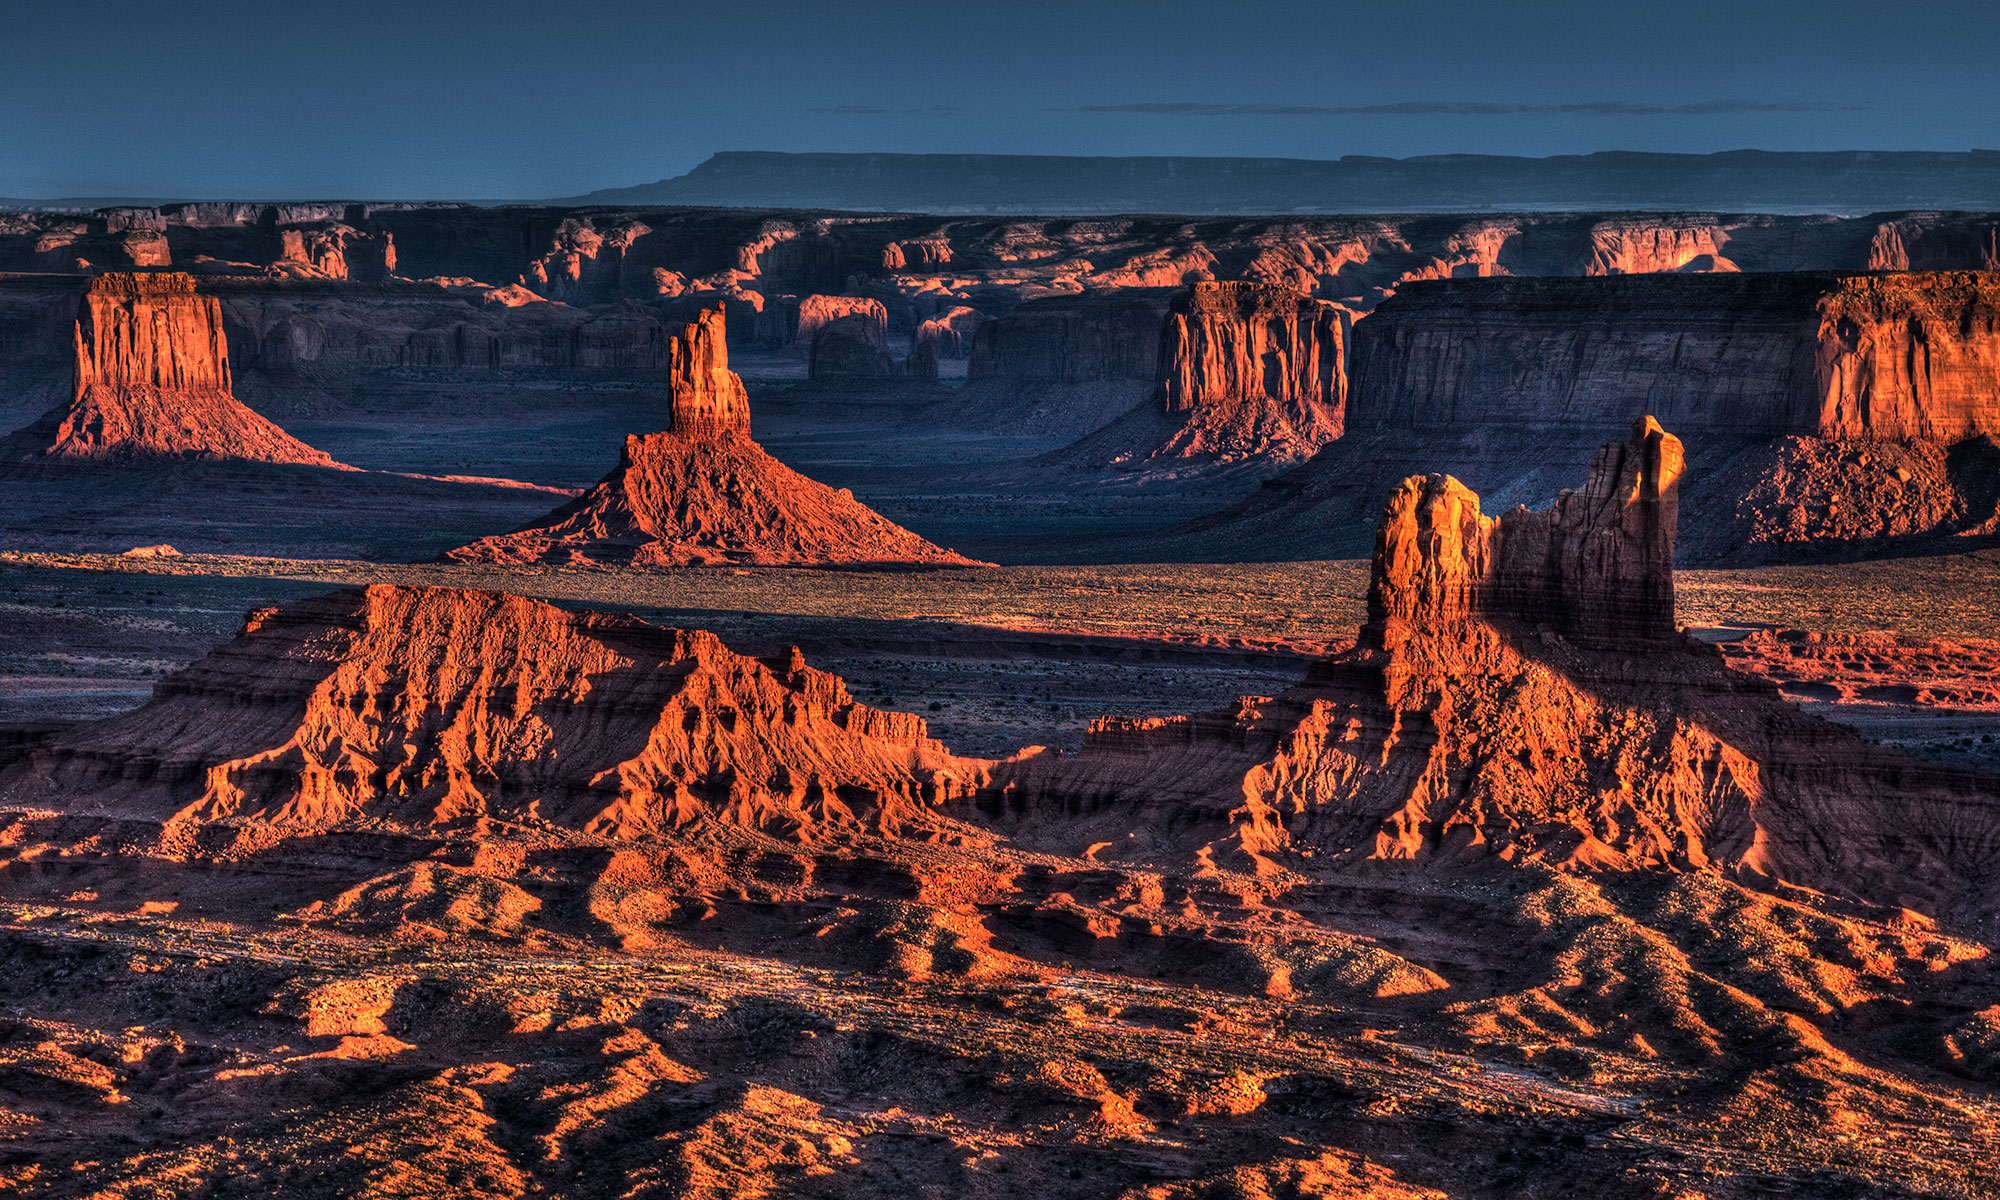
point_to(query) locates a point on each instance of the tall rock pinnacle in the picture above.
(1597, 566)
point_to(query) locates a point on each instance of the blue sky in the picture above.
(422, 99)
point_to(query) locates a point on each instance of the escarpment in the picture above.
(439, 706)
(1836, 412)
(1838, 355)
(1064, 365)
(1520, 693)
(151, 381)
(703, 492)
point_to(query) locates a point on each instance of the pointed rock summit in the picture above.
(152, 382)
(702, 492)
(440, 706)
(1596, 567)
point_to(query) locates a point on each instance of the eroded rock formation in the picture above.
(950, 333)
(438, 706)
(151, 381)
(817, 312)
(1900, 357)
(1520, 693)
(1597, 566)
(1252, 369)
(706, 399)
(1065, 364)
(703, 492)
(850, 347)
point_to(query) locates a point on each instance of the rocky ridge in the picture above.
(450, 708)
(1520, 692)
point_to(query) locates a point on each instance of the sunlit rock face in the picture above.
(1824, 354)
(1597, 565)
(703, 491)
(430, 706)
(152, 381)
(1254, 368)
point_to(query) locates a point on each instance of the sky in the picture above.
(504, 99)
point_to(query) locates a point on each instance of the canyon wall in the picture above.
(1913, 356)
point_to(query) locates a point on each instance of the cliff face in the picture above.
(817, 312)
(1911, 357)
(152, 381)
(706, 397)
(850, 348)
(1064, 365)
(950, 333)
(430, 706)
(1829, 355)
(1596, 567)
(1255, 369)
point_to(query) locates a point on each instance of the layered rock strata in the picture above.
(1064, 365)
(1596, 567)
(1837, 355)
(1252, 369)
(850, 348)
(151, 381)
(443, 707)
(818, 312)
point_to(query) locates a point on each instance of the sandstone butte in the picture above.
(1252, 369)
(702, 492)
(152, 383)
(1520, 691)
(446, 708)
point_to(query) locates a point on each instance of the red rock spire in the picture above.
(1597, 566)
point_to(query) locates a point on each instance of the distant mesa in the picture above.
(152, 383)
(1053, 185)
(444, 707)
(702, 492)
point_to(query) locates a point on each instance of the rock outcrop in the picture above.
(706, 399)
(1509, 699)
(702, 492)
(817, 312)
(850, 348)
(1064, 365)
(950, 333)
(1252, 369)
(1596, 567)
(438, 706)
(152, 382)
